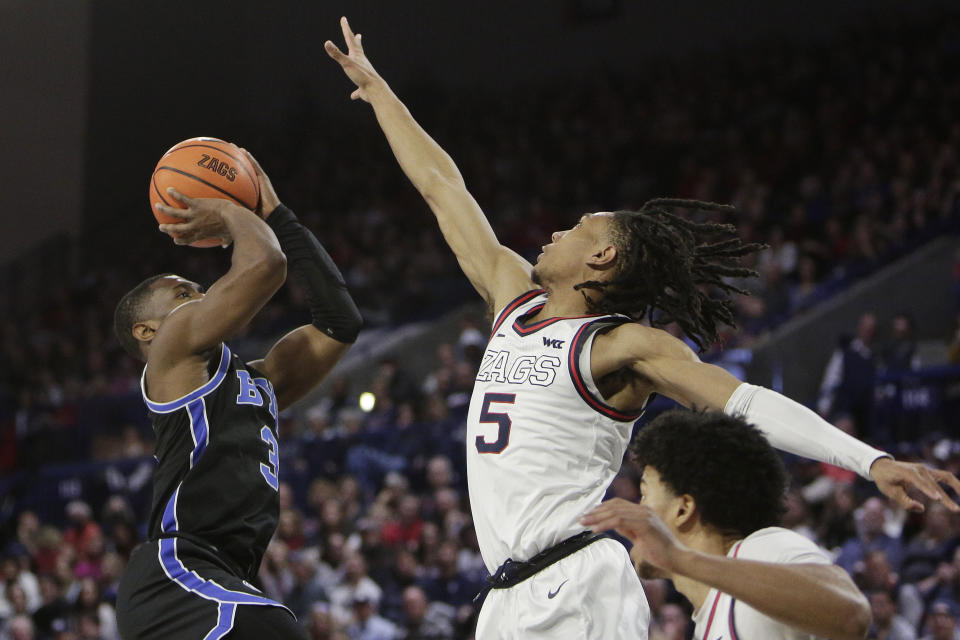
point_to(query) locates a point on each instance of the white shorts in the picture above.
(596, 594)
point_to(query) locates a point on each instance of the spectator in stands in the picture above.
(13, 574)
(942, 621)
(320, 624)
(445, 583)
(874, 574)
(849, 377)
(83, 530)
(933, 545)
(871, 518)
(900, 353)
(423, 620)
(307, 587)
(366, 624)
(887, 624)
(355, 580)
(20, 627)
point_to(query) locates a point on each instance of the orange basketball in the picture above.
(203, 168)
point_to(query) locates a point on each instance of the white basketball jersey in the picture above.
(542, 445)
(722, 617)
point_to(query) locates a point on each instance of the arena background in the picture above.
(525, 96)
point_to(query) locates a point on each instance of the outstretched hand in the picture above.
(895, 479)
(354, 62)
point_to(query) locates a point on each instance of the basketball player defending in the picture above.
(215, 503)
(567, 372)
(713, 495)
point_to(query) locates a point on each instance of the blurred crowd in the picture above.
(840, 157)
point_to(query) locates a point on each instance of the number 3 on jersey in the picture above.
(492, 417)
(269, 471)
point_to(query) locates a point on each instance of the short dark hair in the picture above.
(735, 476)
(665, 262)
(129, 311)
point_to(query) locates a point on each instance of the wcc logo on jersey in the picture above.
(500, 366)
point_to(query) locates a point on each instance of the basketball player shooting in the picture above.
(215, 504)
(568, 370)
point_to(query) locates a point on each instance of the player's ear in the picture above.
(686, 508)
(146, 330)
(604, 257)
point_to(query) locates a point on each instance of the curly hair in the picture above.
(736, 478)
(667, 264)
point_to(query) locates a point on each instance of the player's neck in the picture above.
(706, 542)
(563, 302)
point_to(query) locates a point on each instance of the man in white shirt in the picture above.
(713, 491)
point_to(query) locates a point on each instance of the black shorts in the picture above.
(173, 588)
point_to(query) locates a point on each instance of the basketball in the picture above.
(203, 168)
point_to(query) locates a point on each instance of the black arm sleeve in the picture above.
(331, 307)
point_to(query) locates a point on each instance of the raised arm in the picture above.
(257, 270)
(302, 359)
(818, 598)
(495, 271)
(673, 370)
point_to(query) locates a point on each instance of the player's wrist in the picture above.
(681, 560)
(878, 463)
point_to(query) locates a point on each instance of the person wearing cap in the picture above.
(367, 624)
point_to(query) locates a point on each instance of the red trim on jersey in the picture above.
(716, 600)
(525, 329)
(512, 306)
(713, 610)
(574, 365)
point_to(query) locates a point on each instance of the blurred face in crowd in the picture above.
(21, 628)
(414, 605)
(355, 567)
(937, 522)
(942, 622)
(874, 514)
(876, 570)
(576, 253)
(321, 623)
(883, 608)
(674, 622)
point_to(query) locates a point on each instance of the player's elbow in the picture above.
(270, 270)
(855, 620)
(438, 181)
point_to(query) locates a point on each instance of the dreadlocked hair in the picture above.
(669, 264)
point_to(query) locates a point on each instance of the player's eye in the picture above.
(184, 294)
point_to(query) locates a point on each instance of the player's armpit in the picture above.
(298, 362)
(667, 363)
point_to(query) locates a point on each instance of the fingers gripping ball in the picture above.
(203, 168)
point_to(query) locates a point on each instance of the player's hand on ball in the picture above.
(895, 479)
(354, 62)
(268, 195)
(202, 218)
(653, 543)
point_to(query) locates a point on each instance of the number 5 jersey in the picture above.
(542, 445)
